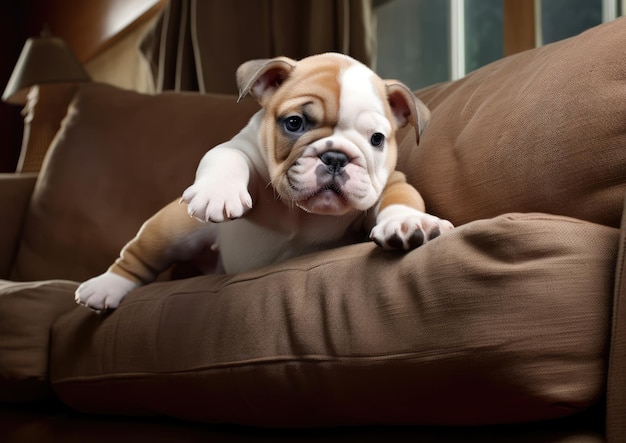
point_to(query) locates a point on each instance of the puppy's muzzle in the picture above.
(334, 162)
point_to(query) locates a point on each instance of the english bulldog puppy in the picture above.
(314, 169)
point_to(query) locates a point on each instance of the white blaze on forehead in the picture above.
(360, 105)
(361, 114)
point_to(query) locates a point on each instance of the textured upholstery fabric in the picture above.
(503, 320)
(17, 190)
(119, 157)
(616, 389)
(27, 311)
(542, 131)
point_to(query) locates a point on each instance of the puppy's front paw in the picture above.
(103, 292)
(209, 201)
(404, 228)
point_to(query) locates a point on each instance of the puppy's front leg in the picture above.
(401, 222)
(220, 191)
(167, 237)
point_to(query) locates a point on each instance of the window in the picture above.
(564, 18)
(414, 41)
(422, 42)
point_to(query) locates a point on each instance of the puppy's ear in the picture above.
(407, 108)
(261, 78)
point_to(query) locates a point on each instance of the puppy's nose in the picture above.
(335, 161)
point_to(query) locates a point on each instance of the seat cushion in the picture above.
(499, 321)
(542, 131)
(27, 312)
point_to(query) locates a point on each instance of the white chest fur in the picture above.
(272, 232)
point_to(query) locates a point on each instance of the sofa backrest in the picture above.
(118, 158)
(540, 131)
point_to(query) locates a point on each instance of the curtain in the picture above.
(197, 45)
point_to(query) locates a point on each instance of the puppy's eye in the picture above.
(377, 139)
(294, 123)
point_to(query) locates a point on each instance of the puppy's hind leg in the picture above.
(169, 236)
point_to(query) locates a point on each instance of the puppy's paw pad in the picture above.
(398, 235)
(403, 228)
(104, 292)
(435, 226)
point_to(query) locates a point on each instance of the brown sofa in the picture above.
(510, 328)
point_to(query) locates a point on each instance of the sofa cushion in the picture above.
(542, 130)
(499, 321)
(15, 193)
(27, 311)
(118, 158)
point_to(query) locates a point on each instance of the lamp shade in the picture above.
(43, 60)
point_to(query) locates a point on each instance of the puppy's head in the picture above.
(329, 129)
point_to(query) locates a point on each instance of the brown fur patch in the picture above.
(312, 89)
(399, 192)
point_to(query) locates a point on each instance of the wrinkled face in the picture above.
(330, 137)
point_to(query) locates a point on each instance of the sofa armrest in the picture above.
(616, 385)
(15, 192)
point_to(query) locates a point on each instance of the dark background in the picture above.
(18, 21)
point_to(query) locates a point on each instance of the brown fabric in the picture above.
(502, 320)
(539, 131)
(15, 192)
(119, 157)
(616, 385)
(27, 311)
(198, 45)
